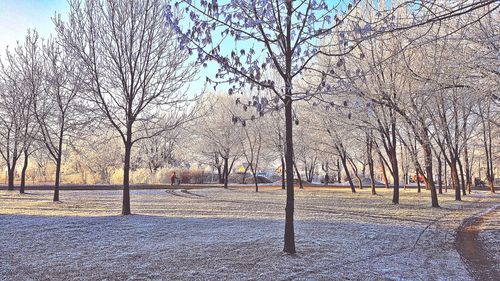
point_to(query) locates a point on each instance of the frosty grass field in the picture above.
(217, 234)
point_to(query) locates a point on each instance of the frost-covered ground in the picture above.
(217, 234)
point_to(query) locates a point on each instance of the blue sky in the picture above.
(16, 16)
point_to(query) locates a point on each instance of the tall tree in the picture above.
(133, 68)
(56, 108)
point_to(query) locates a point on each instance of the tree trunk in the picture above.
(468, 178)
(23, 172)
(455, 180)
(440, 175)
(11, 175)
(289, 239)
(462, 178)
(126, 175)
(226, 171)
(339, 172)
(429, 179)
(395, 175)
(446, 176)
(372, 175)
(219, 175)
(57, 179)
(418, 180)
(348, 175)
(283, 181)
(384, 173)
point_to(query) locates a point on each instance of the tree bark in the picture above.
(456, 181)
(11, 175)
(440, 175)
(283, 181)
(23, 172)
(348, 175)
(226, 171)
(289, 239)
(126, 175)
(429, 179)
(418, 180)
(462, 178)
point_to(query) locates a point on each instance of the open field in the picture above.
(212, 234)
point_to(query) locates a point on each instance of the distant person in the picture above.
(173, 178)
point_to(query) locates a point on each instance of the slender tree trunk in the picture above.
(57, 179)
(462, 178)
(467, 169)
(446, 176)
(289, 239)
(226, 171)
(126, 175)
(348, 175)
(440, 175)
(418, 180)
(283, 181)
(372, 175)
(384, 173)
(339, 172)
(430, 176)
(23, 172)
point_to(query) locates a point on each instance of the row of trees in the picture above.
(112, 64)
(344, 86)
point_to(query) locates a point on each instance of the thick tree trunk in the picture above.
(11, 176)
(126, 176)
(23, 172)
(289, 238)
(456, 181)
(395, 175)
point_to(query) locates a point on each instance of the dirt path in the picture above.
(475, 250)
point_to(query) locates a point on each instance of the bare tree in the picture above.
(133, 67)
(56, 108)
(22, 80)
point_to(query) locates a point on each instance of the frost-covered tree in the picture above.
(133, 68)
(21, 81)
(216, 140)
(56, 108)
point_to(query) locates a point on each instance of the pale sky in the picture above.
(16, 16)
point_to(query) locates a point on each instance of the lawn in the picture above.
(218, 234)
